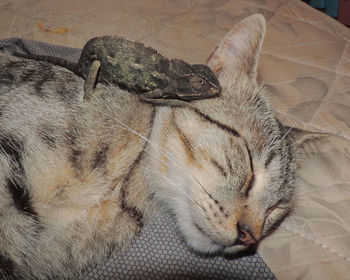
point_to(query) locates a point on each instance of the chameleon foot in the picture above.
(89, 86)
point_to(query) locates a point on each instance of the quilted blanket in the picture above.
(305, 62)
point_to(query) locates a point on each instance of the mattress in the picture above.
(305, 62)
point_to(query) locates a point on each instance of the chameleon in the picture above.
(134, 66)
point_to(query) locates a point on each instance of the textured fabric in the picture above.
(305, 62)
(159, 252)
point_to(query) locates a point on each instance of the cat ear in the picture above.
(238, 53)
(306, 141)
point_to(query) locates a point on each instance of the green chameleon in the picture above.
(135, 67)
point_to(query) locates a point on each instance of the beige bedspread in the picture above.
(305, 62)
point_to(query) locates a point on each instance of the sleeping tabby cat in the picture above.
(78, 179)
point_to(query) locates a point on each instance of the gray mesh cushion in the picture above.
(159, 252)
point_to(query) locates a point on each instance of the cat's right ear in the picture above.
(238, 53)
(306, 141)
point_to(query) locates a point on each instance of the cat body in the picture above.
(79, 179)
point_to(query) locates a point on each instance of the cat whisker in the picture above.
(162, 151)
(188, 176)
(272, 142)
(297, 106)
(202, 187)
(157, 172)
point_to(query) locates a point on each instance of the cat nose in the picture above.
(245, 235)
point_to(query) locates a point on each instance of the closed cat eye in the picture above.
(281, 204)
(275, 215)
(198, 83)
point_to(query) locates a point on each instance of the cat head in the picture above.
(226, 166)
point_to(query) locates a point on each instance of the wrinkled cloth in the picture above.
(305, 63)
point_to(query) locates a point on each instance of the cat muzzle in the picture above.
(245, 236)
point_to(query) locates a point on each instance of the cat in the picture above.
(78, 179)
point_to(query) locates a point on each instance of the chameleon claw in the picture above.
(91, 79)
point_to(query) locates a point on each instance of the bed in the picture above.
(306, 64)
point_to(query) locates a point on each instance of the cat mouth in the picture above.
(229, 247)
(201, 230)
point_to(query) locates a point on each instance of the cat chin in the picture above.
(201, 242)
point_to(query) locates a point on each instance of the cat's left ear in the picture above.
(306, 141)
(238, 53)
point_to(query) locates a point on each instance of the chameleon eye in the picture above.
(198, 83)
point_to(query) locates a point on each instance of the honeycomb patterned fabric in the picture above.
(159, 252)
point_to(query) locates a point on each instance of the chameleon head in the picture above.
(194, 82)
(204, 81)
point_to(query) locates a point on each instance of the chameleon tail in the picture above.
(51, 59)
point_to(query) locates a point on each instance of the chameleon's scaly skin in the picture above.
(139, 68)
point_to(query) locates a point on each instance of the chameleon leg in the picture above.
(167, 102)
(158, 98)
(91, 80)
(153, 94)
